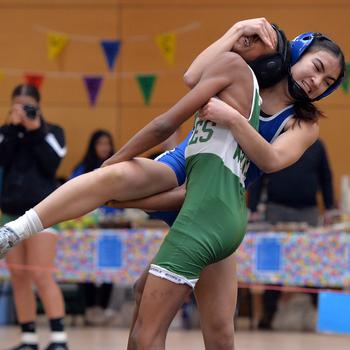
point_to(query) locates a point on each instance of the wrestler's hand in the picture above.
(111, 160)
(218, 112)
(106, 163)
(257, 26)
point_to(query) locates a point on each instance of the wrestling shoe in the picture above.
(26, 347)
(57, 346)
(8, 239)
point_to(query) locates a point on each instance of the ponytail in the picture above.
(307, 111)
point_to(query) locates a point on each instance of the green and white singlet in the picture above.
(213, 218)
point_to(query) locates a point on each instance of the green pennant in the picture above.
(146, 83)
(346, 82)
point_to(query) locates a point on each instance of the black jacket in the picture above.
(297, 185)
(29, 160)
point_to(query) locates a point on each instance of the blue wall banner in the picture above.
(109, 252)
(268, 255)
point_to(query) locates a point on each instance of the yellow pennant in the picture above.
(55, 44)
(2, 76)
(167, 46)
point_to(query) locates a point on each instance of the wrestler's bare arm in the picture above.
(228, 72)
(269, 157)
(256, 26)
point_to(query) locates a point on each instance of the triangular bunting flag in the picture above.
(55, 44)
(2, 76)
(93, 85)
(111, 50)
(146, 83)
(346, 82)
(34, 79)
(167, 45)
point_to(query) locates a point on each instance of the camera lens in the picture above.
(31, 111)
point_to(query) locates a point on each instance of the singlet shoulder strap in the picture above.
(289, 110)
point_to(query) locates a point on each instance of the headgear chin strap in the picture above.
(296, 92)
(298, 46)
(270, 69)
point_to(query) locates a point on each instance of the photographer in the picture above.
(30, 152)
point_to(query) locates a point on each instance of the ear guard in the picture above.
(270, 69)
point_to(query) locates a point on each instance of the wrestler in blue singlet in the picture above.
(270, 127)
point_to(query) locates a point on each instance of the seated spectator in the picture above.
(96, 297)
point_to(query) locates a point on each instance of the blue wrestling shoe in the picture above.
(8, 239)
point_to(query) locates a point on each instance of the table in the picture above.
(295, 259)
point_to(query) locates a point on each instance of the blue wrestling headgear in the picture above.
(272, 68)
(298, 46)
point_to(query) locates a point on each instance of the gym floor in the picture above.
(95, 338)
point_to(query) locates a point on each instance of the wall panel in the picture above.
(120, 106)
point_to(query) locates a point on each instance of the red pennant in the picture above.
(34, 79)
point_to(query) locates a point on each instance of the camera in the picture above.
(31, 111)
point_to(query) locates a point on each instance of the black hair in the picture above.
(26, 90)
(325, 44)
(91, 160)
(306, 110)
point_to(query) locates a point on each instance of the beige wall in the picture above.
(120, 106)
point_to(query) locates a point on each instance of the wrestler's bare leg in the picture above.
(129, 180)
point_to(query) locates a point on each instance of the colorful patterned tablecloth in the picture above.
(313, 259)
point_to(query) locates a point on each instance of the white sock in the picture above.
(27, 224)
(29, 338)
(58, 337)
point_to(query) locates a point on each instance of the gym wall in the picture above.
(120, 106)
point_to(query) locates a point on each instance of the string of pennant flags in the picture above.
(58, 41)
(91, 82)
(166, 42)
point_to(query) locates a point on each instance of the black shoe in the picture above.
(264, 325)
(26, 347)
(57, 346)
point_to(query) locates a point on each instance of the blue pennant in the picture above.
(111, 50)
